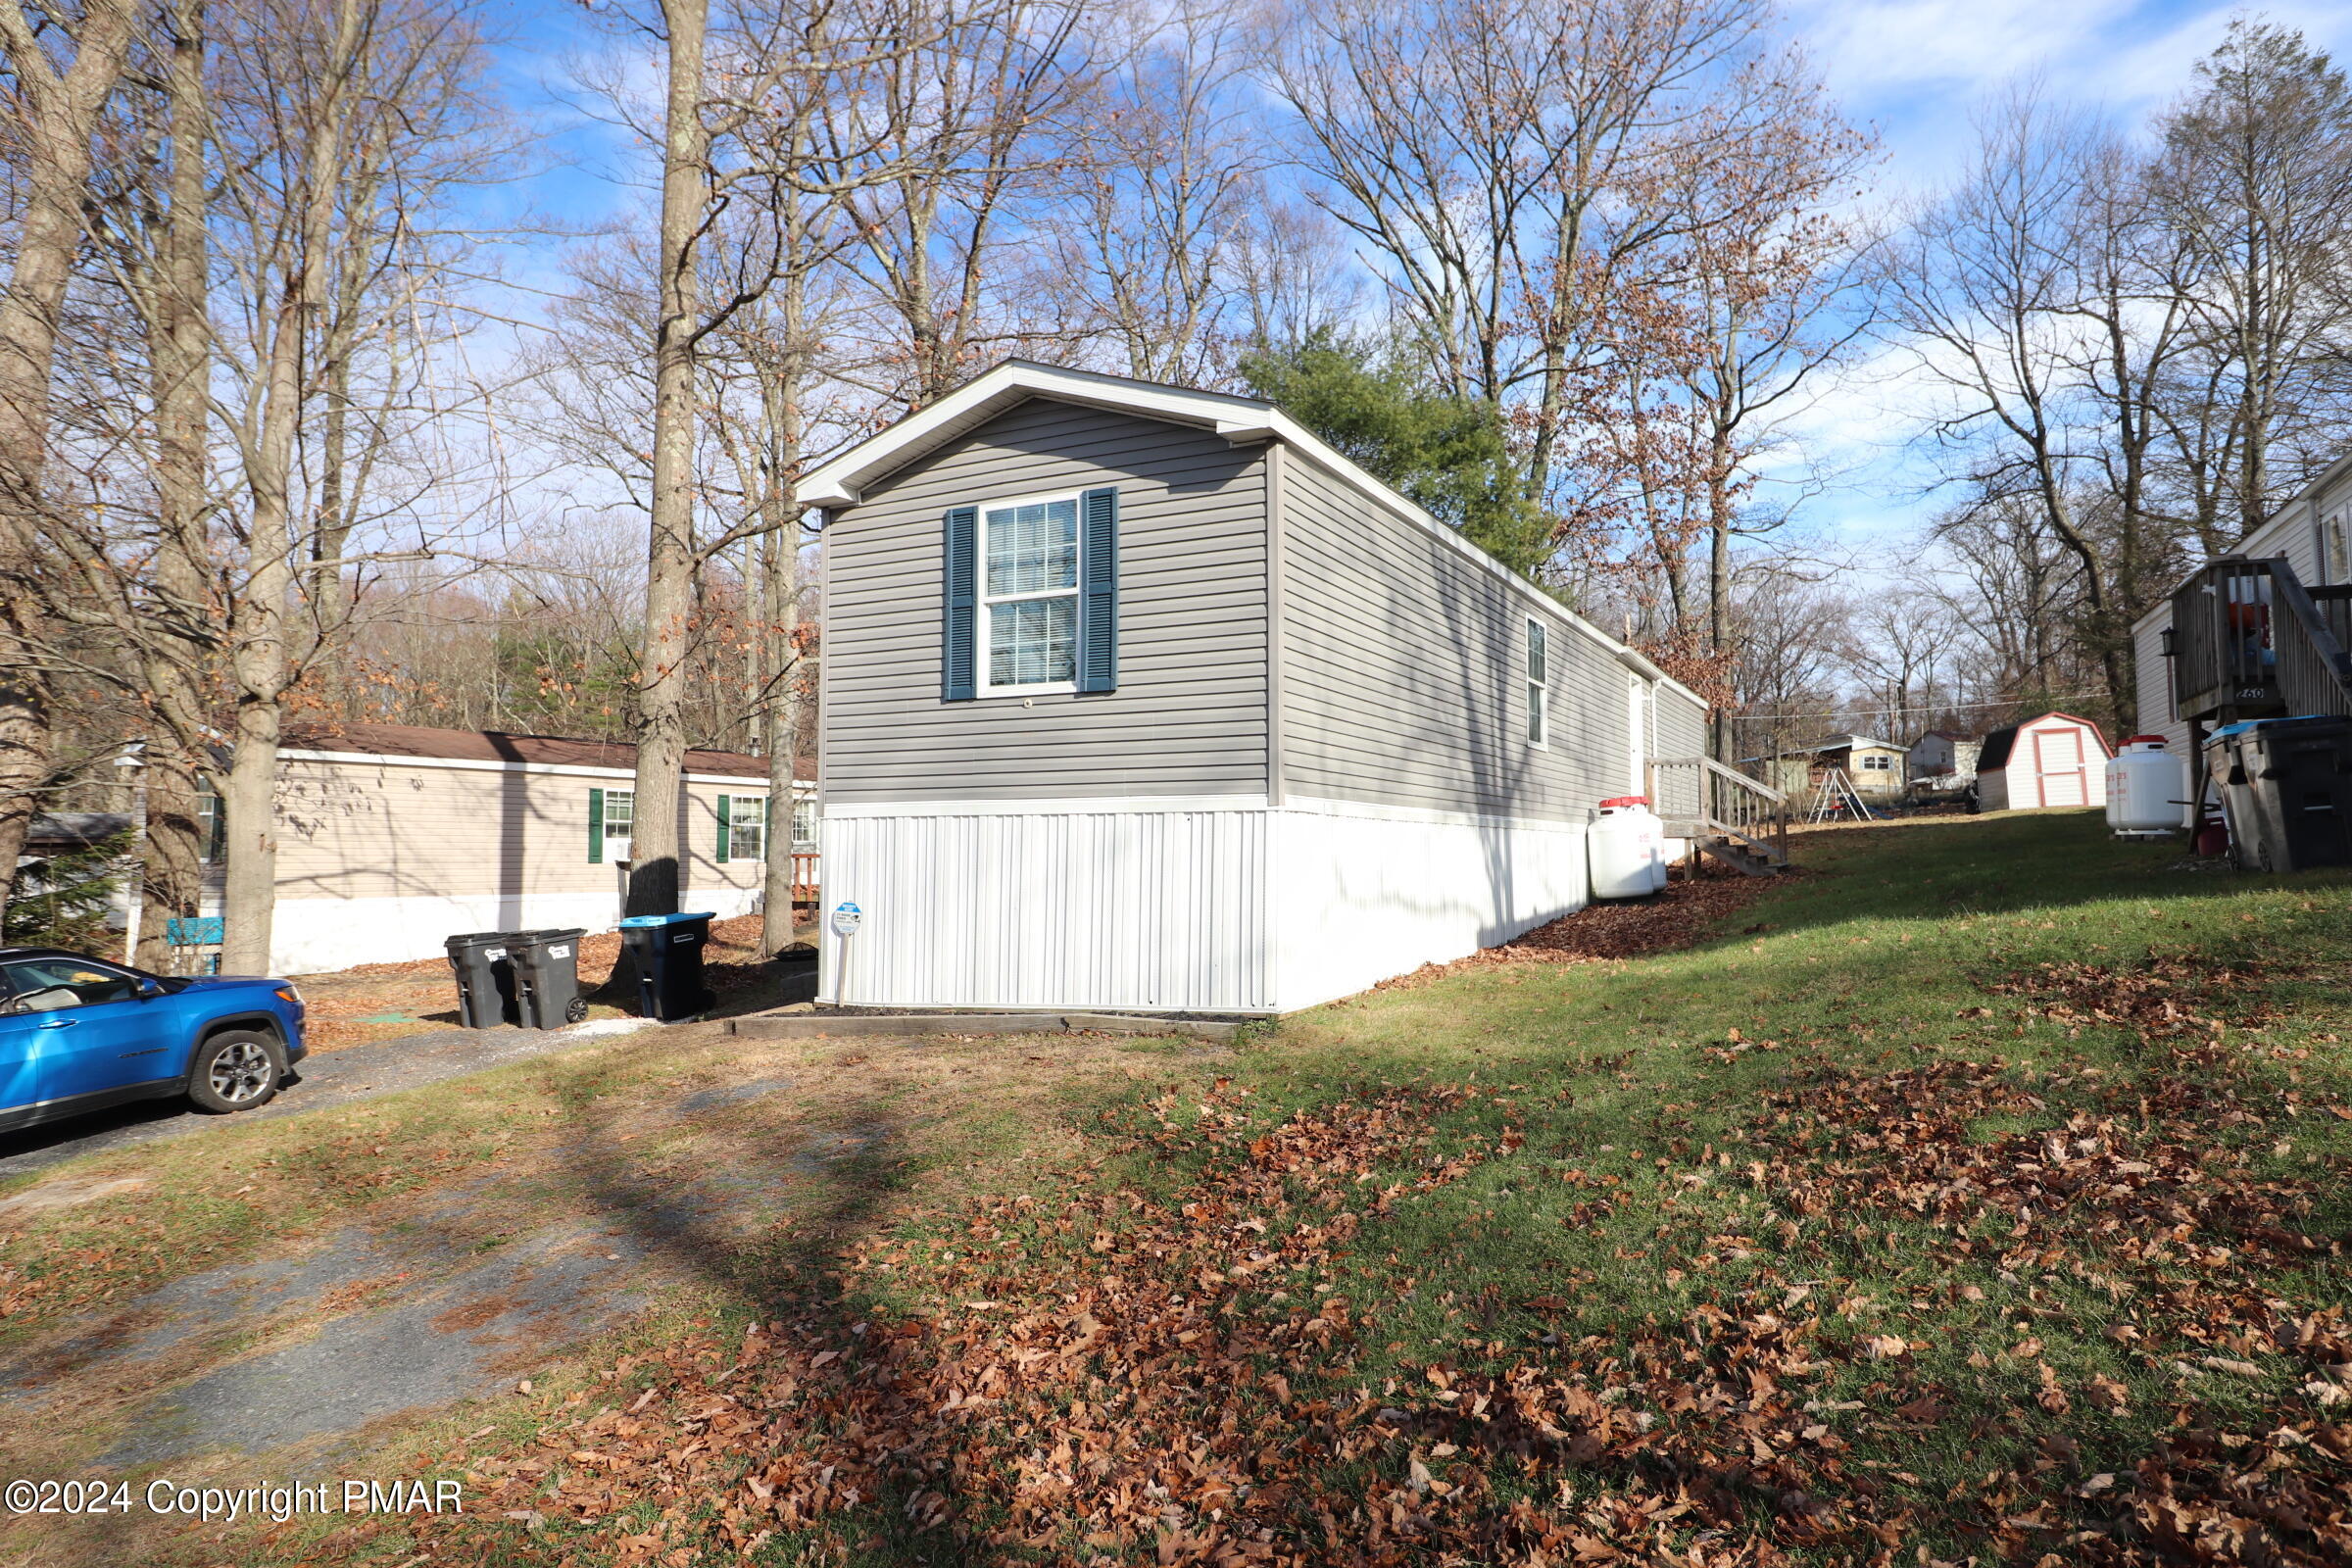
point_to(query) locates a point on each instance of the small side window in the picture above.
(747, 828)
(1539, 685)
(803, 823)
(620, 813)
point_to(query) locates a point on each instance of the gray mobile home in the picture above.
(1139, 697)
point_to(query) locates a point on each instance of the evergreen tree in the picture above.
(62, 902)
(1446, 453)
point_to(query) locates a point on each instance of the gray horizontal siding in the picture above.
(1189, 715)
(1405, 667)
(1682, 726)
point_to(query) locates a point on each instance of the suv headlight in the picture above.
(291, 992)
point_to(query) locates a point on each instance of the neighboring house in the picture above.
(60, 832)
(393, 837)
(1875, 768)
(1143, 697)
(1943, 760)
(2246, 646)
(2054, 761)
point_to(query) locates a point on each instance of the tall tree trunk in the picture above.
(338, 486)
(179, 348)
(259, 656)
(57, 115)
(654, 880)
(781, 560)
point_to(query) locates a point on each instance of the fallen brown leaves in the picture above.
(2163, 997)
(2136, 1199)
(1685, 915)
(1090, 1373)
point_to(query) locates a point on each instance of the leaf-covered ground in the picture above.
(1976, 1196)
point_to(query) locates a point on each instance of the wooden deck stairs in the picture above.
(1726, 815)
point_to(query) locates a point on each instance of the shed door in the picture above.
(2058, 759)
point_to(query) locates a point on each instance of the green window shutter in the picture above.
(959, 631)
(596, 827)
(725, 827)
(1098, 591)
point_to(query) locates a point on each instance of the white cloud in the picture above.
(1872, 49)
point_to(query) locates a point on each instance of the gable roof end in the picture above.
(1242, 421)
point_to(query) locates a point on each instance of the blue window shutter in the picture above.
(1098, 591)
(960, 635)
(725, 826)
(596, 827)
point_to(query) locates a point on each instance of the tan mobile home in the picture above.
(393, 837)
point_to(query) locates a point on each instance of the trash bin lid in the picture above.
(2242, 726)
(667, 920)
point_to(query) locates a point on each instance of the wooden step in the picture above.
(1740, 857)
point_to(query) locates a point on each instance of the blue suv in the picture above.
(78, 1034)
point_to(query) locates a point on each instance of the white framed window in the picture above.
(1539, 685)
(803, 823)
(1029, 595)
(1877, 763)
(621, 815)
(2335, 538)
(747, 827)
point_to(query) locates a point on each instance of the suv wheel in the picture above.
(236, 1069)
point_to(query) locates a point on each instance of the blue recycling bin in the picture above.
(661, 965)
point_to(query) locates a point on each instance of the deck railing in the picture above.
(1700, 799)
(803, 876)
(2249, 641)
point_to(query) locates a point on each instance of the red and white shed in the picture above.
(2056, 759)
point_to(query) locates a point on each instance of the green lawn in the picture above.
(1976, 1195)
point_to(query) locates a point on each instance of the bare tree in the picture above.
(57, 112)
(2255, 179)
(1501, 160)
(1160, 160)
(962, 125)
(1986, 290)
(1903, 648)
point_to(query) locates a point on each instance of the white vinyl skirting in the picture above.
(1169, 907)
(311, 935)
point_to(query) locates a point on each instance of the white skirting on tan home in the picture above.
(312, 935)
(1223, 905)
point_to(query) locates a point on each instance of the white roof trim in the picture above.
(1244, 421)
(483, 764)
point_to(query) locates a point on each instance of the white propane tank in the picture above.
(1628, 849)
(2146, 787)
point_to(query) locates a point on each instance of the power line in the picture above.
(1916, 708)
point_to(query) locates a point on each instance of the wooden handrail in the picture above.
(1739, 807)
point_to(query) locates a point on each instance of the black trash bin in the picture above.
(2286, 790)
(483, 963)
(661, 965)
(547, 978)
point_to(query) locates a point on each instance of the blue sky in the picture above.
(1913, 68)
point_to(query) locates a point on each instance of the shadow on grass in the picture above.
(735, 1230)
